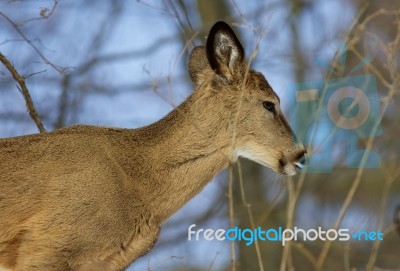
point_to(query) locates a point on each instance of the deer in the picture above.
(91, 198)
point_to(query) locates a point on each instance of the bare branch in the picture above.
(45, 60)
(45, 13)
(231, 218)
(250, 214)
(24, 90)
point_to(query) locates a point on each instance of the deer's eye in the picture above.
(269, 106)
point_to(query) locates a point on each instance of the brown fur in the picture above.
(93, 198)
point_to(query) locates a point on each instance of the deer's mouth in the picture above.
(288, 164)
(291, 166)
(290, 169)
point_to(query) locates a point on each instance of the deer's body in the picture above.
(93, 198)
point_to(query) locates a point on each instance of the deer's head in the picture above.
(260, 131)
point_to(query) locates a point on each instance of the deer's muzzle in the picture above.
(293, 162)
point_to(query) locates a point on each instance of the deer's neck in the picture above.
(190, 146)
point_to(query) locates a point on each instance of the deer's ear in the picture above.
(198, 65)
(224, 51)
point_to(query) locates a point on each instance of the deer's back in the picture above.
(68, 175)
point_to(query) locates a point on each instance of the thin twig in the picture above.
(307, 254)
(19, 31)
(360, 171)
(213, 261)
(286, 258)
(231, 218)
(24, 90)
(45, 13)
(250, 214)
(389, 179)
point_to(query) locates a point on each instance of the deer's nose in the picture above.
(301, 159)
